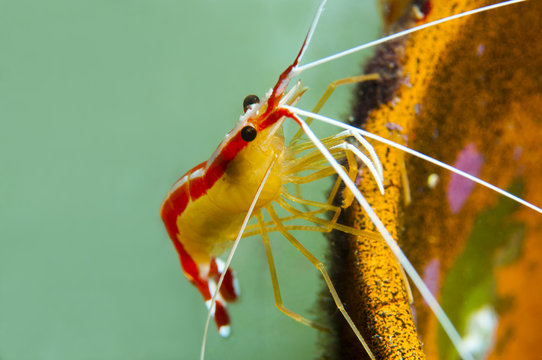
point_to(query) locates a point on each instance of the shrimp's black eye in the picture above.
(250, 100)
(248, 133)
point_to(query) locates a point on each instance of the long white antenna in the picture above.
(311, 29)
(415, 153)
(230, 257)
(302, 68)
(403, 260)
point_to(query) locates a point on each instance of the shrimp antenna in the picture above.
(401, 257)
(290, 72)
(415, 153)
(299, 69)
(230, 257)
(312, 28)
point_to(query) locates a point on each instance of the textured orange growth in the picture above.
(473, 82)
(518, 334)
(383, 293)
(519, 329)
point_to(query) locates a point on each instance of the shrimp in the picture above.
(207, 209)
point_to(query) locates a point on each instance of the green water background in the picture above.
(103, 105)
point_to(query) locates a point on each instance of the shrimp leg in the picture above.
(274, 279)
(320, 266)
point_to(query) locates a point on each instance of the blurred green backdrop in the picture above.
(103, 105)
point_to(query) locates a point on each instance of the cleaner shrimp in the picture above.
(206, 208)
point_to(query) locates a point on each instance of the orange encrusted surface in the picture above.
(469, 93)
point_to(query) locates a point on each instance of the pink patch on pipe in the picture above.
(470, 161)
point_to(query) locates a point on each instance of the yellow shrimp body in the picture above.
(210, 223)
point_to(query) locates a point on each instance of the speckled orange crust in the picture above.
(474, 83)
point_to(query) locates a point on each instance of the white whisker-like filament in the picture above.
(378, 177)
(401, 257)
(312, 29)
(367, 146)
(415, 153)
(370, 44)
